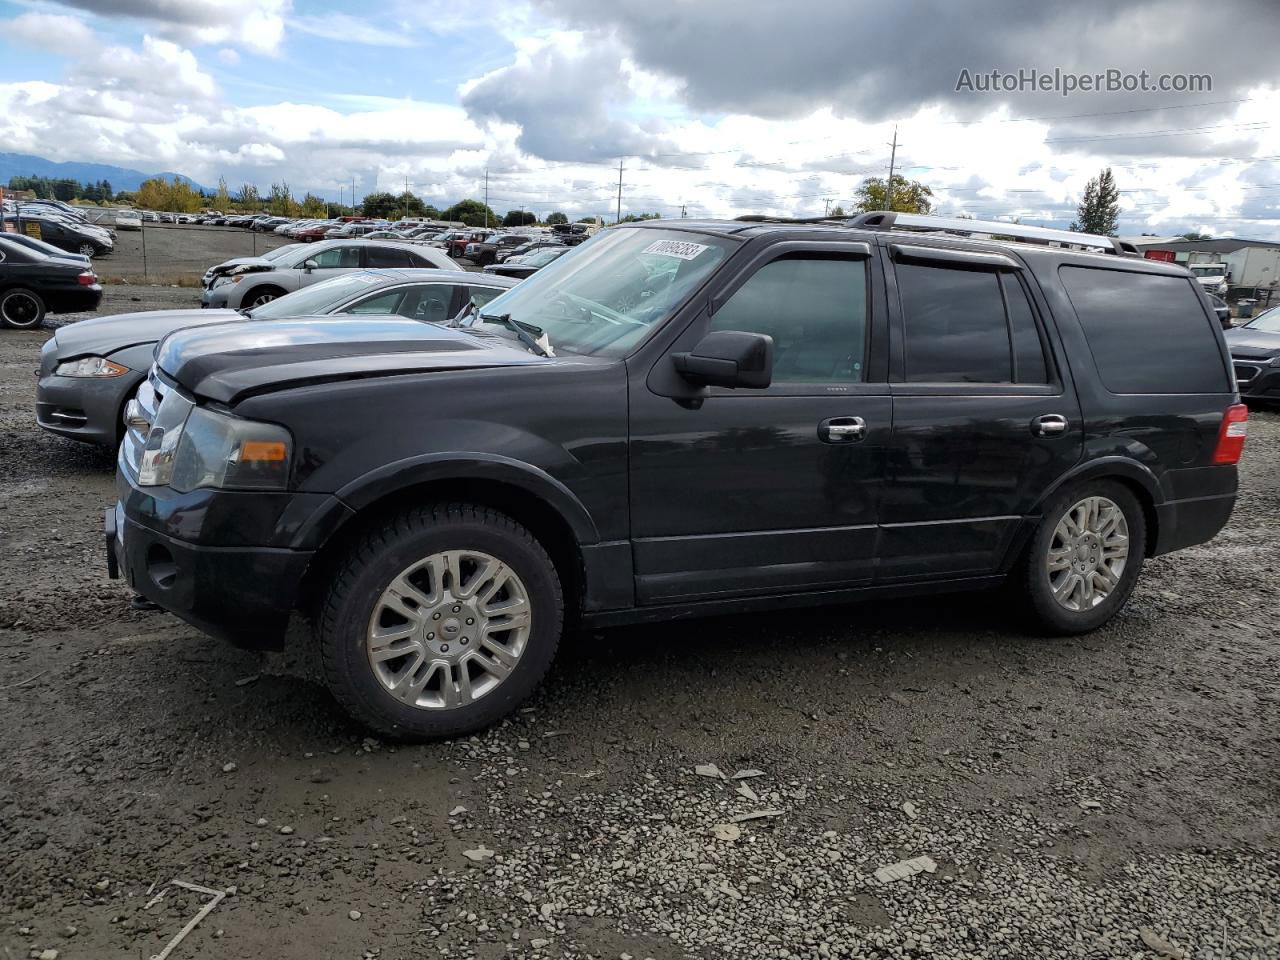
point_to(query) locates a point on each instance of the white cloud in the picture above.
(54, 32)
(229, 57)
(342, 26)
(253, 24)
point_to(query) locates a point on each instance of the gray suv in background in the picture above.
(253, 281)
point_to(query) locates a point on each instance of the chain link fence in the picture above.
(178, 253)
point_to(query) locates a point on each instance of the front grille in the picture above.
(151, 392)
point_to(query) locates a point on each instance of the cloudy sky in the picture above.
(717, 107)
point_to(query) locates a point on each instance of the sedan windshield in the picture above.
(319, 298)
(540, 258)
(612, 291)
(1268, 322)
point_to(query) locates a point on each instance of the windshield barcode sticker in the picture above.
(676, 248)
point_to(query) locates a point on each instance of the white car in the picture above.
(128, 220)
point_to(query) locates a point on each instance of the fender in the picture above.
(402, 474)
(1108, 466)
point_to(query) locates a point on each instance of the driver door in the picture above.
(742, 491)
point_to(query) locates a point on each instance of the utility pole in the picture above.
(486, 198)
(406, 196)
(353, 194)
(827, 211)
(893, 156)
(684, 210)
(618, 218)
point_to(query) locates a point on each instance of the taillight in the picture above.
(87, 279)
(1231, 434)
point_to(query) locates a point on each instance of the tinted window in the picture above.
(382, 303)
(815, 310)
(956, 330)
(1148, 333)
(428, 303)
(1028, 351)
(482, 295)
(419, 259)
(338, 257)
(388, 257)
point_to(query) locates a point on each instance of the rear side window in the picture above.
(1147, 333)
(968, 326)
(388, 257)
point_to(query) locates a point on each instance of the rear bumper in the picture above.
(1186, 523)
(79, 300)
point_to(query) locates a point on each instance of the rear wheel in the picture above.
(440, 622)
(1085, 557)
(21, 309)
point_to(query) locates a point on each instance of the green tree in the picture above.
(313, 207)
(281, 202)
(637, 217)
(247, 198)
(471, 212)
(1193, 235)
(222, 199)
(587, 220)
(909, 196)
(557, 217)
(1099, 210)
(838, 211)
(519, 218)
(381, 204)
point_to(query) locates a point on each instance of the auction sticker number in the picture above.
(682, 249)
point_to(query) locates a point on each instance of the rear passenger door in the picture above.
(985, 419)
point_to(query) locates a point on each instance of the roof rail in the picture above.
(884, 220)
(765, 218)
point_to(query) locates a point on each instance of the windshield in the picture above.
(318, 298)
(279, 252)
(1268, 322)
(611, 292)
(1213, 270)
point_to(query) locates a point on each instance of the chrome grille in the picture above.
(1247, 369)
(139, 415)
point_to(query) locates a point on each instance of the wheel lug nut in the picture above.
(465, 641)
(435, 616)
(457, 607)
(470, 621)
(431, 636)
(444, 648)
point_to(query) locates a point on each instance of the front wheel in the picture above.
(440, 622)
(88, 250)
(1085, 557)
(21, 309)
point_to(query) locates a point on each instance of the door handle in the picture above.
(842, 430)
(1050, 425)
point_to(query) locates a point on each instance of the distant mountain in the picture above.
(121, 178)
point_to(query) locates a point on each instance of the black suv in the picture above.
(676, 419)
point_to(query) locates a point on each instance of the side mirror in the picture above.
(309, 265)
(728, 358)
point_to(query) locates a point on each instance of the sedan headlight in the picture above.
(99, 367)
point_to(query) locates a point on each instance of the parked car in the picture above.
(128, 220)
(347, 231)
(314, 232)
(33, 284)
(86, 239)
(226, 266)
(48, 249)
(1222, 310)
(521, 267)
(526, 248)
(485, 250)
(1255, 356)
(91, 369)
(684, 418)
(258, 280)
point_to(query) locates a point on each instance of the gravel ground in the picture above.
(1111, 796)
(166, 252)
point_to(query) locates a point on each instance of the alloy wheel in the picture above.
(449, 629)
(262, 298)
(20, 309)
(87, 250)
(1087, 553)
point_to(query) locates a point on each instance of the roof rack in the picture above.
(884, 220)
(765, 218)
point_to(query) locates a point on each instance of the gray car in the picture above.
(253, 281)
(91, 369)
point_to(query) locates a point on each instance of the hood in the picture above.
(230, 362)
(1243, 342)
(241, 265)
(100, 336)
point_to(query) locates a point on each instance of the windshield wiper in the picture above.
(521, 331)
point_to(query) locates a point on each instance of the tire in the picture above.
(260, 295)
(21, 309)
(1087, 574)
(87, 250)
(406, 552)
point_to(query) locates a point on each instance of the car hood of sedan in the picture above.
(101, 336)
(1245, 342)
(230, 362)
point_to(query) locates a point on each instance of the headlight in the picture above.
(1274, 362)
(216, 450)
(90, 367)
